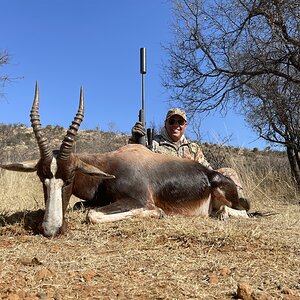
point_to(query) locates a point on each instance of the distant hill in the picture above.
(18, 142)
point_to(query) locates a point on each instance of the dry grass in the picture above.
(171, 258)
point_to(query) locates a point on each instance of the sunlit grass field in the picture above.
(170, 258)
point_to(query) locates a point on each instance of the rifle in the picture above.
(142, 140)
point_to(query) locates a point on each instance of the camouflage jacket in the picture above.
(185, 149)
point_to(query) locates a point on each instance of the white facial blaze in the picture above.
(53, 217)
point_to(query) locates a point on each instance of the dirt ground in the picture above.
(170, 258)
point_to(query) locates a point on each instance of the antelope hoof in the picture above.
(94, 217)
(222, 213)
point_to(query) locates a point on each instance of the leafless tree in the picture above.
(4, 78)
(275, 114)
(244, 53)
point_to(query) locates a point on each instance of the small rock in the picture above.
(260, 296)
(244, 291)
(13, 297)
(224, 271)
(42, 274)
(55, 249)
(213, 279)
(89, 275)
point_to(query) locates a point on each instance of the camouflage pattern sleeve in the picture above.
(199, 155)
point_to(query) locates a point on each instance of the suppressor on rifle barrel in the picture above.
(143, 60)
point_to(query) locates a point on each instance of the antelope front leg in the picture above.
(226, 212)
(97, 216)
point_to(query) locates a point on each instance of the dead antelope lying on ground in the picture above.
(131, 181)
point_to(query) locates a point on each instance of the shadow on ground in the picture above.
(30, 220)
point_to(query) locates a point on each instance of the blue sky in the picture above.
(95, 43)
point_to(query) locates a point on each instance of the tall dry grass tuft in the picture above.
(267, 183)
(20, 191)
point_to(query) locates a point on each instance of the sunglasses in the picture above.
(180, 122)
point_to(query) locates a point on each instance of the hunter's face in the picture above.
(175, 126)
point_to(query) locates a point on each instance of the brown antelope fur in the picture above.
(127, 182)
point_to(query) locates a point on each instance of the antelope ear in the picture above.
(26, 166)
(93, 171)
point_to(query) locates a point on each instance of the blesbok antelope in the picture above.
(131, 181)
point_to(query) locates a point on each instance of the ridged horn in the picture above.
(66, 147)
(42, 141)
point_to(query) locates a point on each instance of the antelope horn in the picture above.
(42, 141)
(67, 145)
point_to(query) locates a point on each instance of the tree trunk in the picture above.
(293, 160)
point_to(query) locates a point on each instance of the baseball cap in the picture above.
(176, 111)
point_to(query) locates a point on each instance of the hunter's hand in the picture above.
(137, 132)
